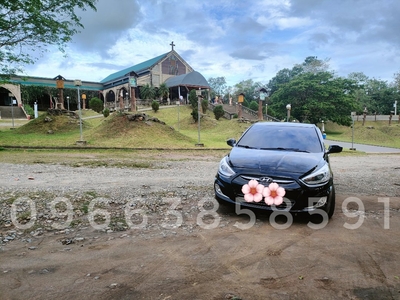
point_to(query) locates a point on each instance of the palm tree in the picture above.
(163, 90)
(147, 92)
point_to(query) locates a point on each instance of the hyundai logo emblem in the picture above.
(265, 180)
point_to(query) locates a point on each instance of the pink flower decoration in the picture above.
(274, 194)
(253, 191)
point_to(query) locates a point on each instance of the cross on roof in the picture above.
(172, 45)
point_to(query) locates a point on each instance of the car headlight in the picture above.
(318, 177)
(224, 168)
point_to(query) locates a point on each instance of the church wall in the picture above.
(172, 65)
(156, 80)
(156, 75)
(144, 80)
(156, 69)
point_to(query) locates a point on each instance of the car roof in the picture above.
(284, 124)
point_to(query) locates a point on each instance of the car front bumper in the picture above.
(297, 198)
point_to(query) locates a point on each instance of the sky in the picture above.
(238, 40)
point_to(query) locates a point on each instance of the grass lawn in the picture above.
(180, 131)
(372, 133)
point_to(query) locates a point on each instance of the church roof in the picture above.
(193, 79)
(144, 66)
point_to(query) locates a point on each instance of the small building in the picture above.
(180, 86)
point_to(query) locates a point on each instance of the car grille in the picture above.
(262, 204)
(260, 179)
(266, 180)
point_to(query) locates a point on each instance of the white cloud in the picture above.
(236, 39)
(293, 22)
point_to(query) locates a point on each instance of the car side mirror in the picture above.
(334, 149)
(231, 142)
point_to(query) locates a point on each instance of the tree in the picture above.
(218, 86)
(359, 77)
(283, 76)
(380, 97)
(249, 88)
(313, 65)
(28, 26)
(163, 91)
(315, 97)
(310, 65)
(253, 105)
(397, 80)
(147, 92)
(396, 85)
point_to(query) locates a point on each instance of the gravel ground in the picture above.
(151, 190)
(51, 254)
(364, 175)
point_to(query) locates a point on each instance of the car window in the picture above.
(295, 138)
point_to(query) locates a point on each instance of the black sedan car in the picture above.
(269, 155)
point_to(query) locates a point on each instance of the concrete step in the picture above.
(246, 113)
(7, 112)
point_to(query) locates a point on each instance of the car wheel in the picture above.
(330, 206)
(225, 207)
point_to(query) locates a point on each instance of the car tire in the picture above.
(330, 207)
(225, 207)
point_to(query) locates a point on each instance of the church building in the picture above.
(123, 87)
(119, 90)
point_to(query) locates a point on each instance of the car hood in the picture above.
(279, 162)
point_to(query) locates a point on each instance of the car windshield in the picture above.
(291, 138)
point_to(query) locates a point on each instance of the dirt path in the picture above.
(188, 250)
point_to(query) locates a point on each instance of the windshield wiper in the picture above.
(246, 146)
(286, 149)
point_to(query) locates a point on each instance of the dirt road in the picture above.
(154, 233)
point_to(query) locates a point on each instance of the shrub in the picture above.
(195, 114)
(96, 104)
(218, 112)
(193, 99)
(155, 105)
(235, 116)
(204, 105)
(106, 112)
(29, 110)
